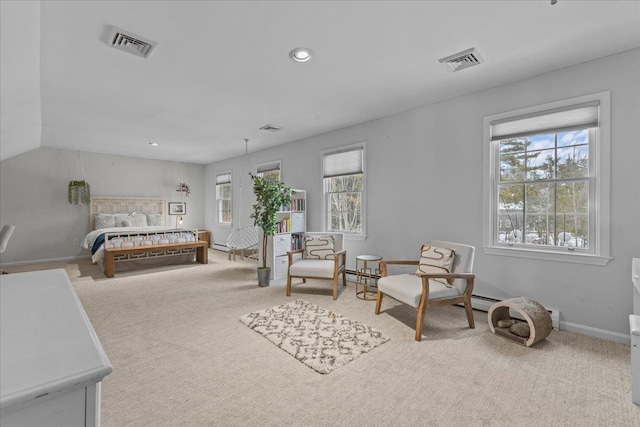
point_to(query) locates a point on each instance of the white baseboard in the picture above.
(44, 261)
(596, 333)
(219, 247)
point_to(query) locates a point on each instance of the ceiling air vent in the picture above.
(129, 42)
(271, 128)
(462, 60)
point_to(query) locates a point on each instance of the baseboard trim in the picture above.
(596, 333)
(44, 261)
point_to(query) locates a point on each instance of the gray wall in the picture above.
(33, 197)
(424, 181)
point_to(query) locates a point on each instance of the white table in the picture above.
(51, 361)
(367, 277)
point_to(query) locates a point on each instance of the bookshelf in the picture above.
(292, 224)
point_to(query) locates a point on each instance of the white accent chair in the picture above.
(5, 234)
(422, 291)
(243, 242)
(327, 266)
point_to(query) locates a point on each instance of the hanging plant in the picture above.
(184, 188)
(183, 185)
(79, 192)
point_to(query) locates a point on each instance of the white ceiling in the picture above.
(221, 69)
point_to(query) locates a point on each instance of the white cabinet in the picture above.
(292, 224)
(51, 361)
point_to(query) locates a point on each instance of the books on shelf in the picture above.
(284, 226)
(297, 241)
(296, 205)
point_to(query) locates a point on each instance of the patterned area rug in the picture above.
(319, 338)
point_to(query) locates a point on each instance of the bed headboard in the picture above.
(113, 205)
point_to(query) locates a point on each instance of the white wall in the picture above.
(33, 197)
(424, 181)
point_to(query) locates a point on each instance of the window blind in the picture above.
(269, 167)
(560, 120)
(340, 163)
(223, 178)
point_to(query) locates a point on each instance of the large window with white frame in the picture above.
(270, 171)
(343, 174)
(547, 181)
(224, 207)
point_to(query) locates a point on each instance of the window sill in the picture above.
(355, 237)
(577, 258)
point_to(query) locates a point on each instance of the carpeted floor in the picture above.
(181, 357)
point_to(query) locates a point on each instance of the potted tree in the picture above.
(270, 196)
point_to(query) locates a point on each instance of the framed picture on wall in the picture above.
(177, 208)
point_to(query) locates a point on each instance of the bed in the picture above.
(134, 230)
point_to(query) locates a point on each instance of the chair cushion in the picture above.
(407, 288)
(312, 268)
(318, 247)
(436, 260)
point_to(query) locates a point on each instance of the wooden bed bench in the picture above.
(111, 255)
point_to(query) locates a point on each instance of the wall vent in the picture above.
(129, 42)
(462, 60)
(271, 128)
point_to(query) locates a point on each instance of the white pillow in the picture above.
(104, 221)
(154, 220)
(318, 247)
(435, 260)
(135, 221)
(122, 217)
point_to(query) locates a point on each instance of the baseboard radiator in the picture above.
(482, 303)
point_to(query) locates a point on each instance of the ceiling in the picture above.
(221, 69)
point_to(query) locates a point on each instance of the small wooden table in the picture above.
(201, 247)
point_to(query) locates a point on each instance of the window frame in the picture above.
(219, 220)
(599, 193)
(362, 234)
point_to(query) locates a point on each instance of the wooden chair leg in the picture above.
(379, 302)
(344, 277)
(288, 285)
(469, 310)
(419, 323)
(335, 287)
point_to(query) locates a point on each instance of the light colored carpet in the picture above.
(319, 338)
(182, 358)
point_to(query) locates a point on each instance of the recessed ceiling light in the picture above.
(301, 54)
(153, 144)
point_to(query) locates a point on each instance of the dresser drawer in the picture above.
(281, 244)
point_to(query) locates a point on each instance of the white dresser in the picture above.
(634, 323)
(51, 361)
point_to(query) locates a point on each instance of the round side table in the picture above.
(366, 276)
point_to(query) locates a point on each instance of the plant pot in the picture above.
(264, 276)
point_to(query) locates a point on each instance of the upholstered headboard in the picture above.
(113, 205)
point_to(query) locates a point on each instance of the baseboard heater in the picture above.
(482, 303)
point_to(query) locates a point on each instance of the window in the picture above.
(270, 171)
(547, 181)
(344, 190)
(223, 198)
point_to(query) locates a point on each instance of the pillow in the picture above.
(104, 221)
(122, 217)
(135, 221)
(318, 247)
(154, 220)
(436, 260)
